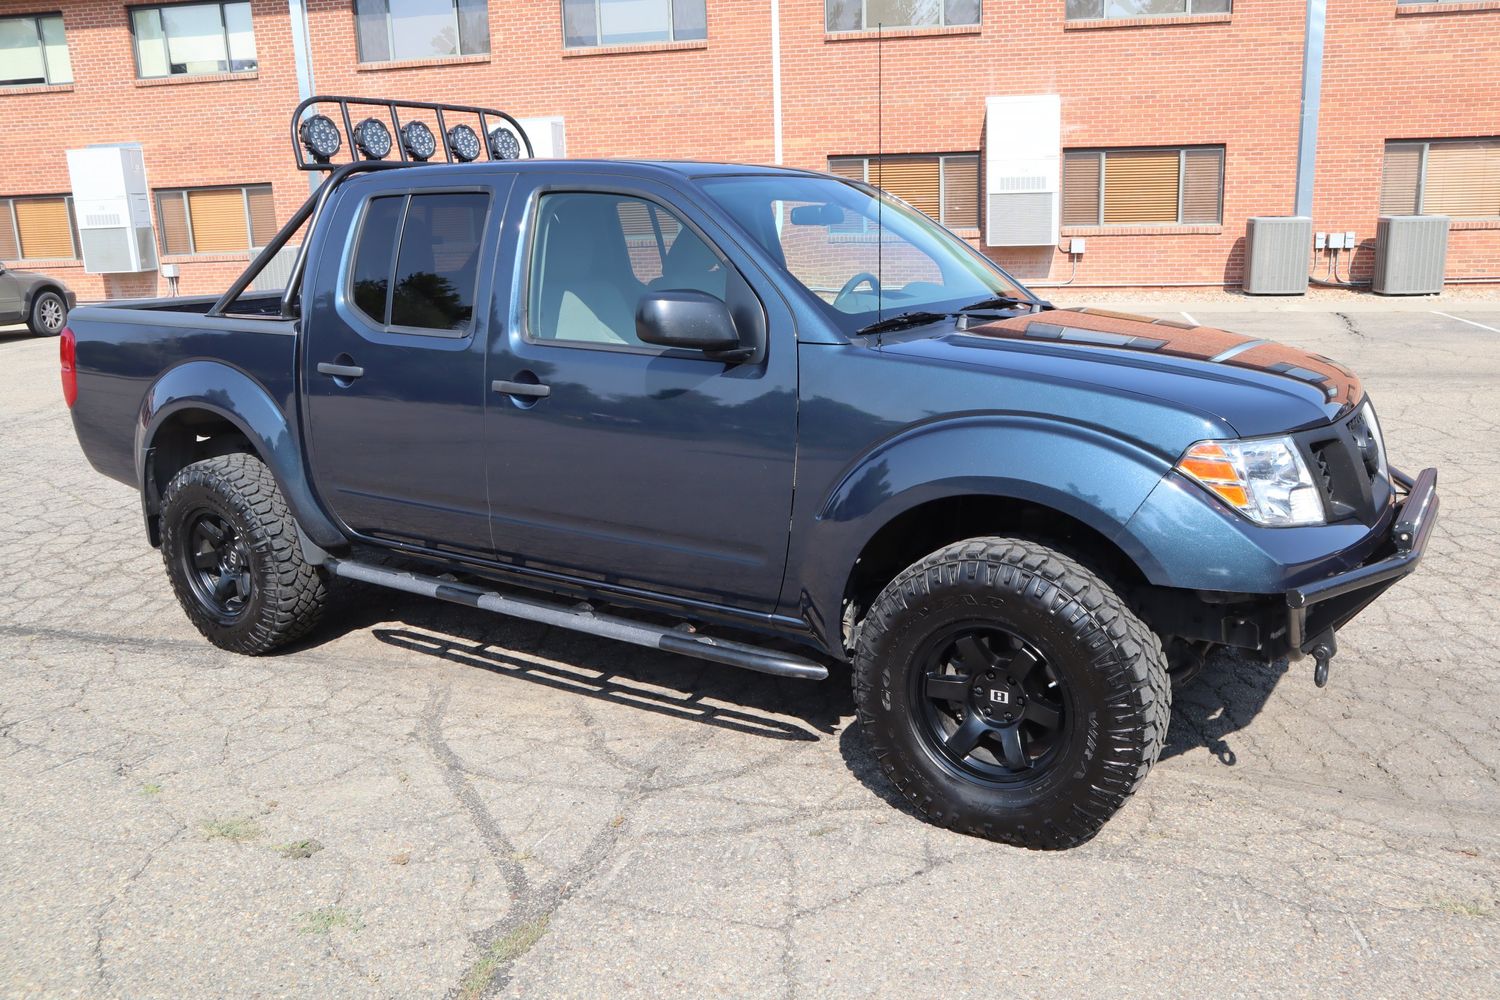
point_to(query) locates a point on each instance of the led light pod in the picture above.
(418, 141)
(321, 137)
(503, 144)
(463, 143)
(373, 139)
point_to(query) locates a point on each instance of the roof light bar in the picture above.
(373, 127)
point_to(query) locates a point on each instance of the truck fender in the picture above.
(236, 397)
(1084, 471)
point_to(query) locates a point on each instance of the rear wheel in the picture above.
(1009, 693)
(49, 314)
(231, 550)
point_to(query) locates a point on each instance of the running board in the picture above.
(585, 619)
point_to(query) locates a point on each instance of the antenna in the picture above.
(880, 158)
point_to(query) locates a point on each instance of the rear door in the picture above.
(655, 470)
(393, 364)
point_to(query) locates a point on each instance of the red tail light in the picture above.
(67, 350)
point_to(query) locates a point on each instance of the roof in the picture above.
(693, 169)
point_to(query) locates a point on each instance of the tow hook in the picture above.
(1322, 654)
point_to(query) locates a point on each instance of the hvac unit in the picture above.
(549, 139)
(113, 208)
(1276, 255)
(1023, 164)
(1411, 253)
(274, 276)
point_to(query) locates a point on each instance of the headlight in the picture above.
(1264, 479)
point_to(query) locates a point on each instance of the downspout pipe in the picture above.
(1312, 92)
(776, 78)
(302, 61)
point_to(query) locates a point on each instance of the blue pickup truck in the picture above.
(766, 417)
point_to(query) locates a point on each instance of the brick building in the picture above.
(1170, 129)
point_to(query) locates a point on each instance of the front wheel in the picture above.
(1009, 693)
(49, 313)
(233, 556)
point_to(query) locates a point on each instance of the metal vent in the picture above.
(1411, 253)
(1021, 220)
(1018, 184)
(145, 247)
(277, 273)
(1276, 255)
(102, 220)
(108, 251)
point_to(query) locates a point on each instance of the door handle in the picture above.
(531, 389)
(339, 371)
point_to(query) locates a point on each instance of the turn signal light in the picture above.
(67, 350)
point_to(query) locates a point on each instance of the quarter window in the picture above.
(38, 229)
(33, 50)
(188, 39)
(595, 255)
(944, 187)
(1109, 10)
(1459, 178)
(867, 15)
(417, 260)
(1133, 187)
(421, 29)
(632, 22)
(215, 220)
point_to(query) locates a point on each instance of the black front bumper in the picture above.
(1316, 610)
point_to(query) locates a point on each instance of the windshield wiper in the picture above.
(902, 321)
(1001, 302)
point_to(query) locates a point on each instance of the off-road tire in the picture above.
(287, 595)
(49, 314)
(1110, 663)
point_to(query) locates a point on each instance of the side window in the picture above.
(595, 255)
(416, 263)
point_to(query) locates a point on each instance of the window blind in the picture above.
(45, 229)
(1080, 193)
(1462, 179)
(217, 217)
(9, 248)
(1401, 178)
(1140, 186)
(1202, 185)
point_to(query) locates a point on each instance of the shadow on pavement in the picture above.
(1224, 699)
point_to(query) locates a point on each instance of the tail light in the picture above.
(67, 350)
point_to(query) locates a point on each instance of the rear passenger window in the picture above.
(416, 265)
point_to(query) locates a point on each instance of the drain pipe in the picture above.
(302, 60)
(776, 78)
(1312, 92)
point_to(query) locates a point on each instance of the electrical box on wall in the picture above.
(113, 208)
(1023, 170)
(549, 138)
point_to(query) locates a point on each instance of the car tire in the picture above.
(1009, 693)
(49, 314)
(231, 550)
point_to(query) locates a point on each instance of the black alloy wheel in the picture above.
(217, 566)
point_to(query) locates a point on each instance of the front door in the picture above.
(655, 470)
(393, 364)
(10, 298)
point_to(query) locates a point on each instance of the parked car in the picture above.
(764, 417)
(38, 300)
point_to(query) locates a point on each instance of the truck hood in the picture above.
(1256, 386)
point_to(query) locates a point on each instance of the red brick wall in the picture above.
(1425, 72)
(1231, 80)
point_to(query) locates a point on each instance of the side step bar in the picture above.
(585, 619)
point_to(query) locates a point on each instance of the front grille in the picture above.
(1347, 464)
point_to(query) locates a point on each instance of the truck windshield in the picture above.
(862, 260)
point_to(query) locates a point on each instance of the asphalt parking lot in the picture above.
(426, 801)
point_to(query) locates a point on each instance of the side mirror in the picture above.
(686, 319)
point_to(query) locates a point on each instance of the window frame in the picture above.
(1182, 151)
(187, 215)
(135, 41)
(864, 21)
(1189, 12)
(390, 38)
(1426, 145)
(9, 202)
(36, 27)
(528, 258)
(346, 266)
(671, 38)
(942, 159)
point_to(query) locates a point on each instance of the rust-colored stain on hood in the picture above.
(1123, 331)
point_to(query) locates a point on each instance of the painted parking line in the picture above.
(1189, 319)
(1468, 321)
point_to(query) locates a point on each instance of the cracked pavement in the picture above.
(509, 810)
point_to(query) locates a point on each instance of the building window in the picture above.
(33, 51)
(215, 220)
(421, 29)
(1110, 10)
(867, 15)
(38, 228)
(632, 22)
(945, 187)
(1143, 187)
(188, 39)
(1459, 178)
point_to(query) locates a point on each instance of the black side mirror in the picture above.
(686, 319)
